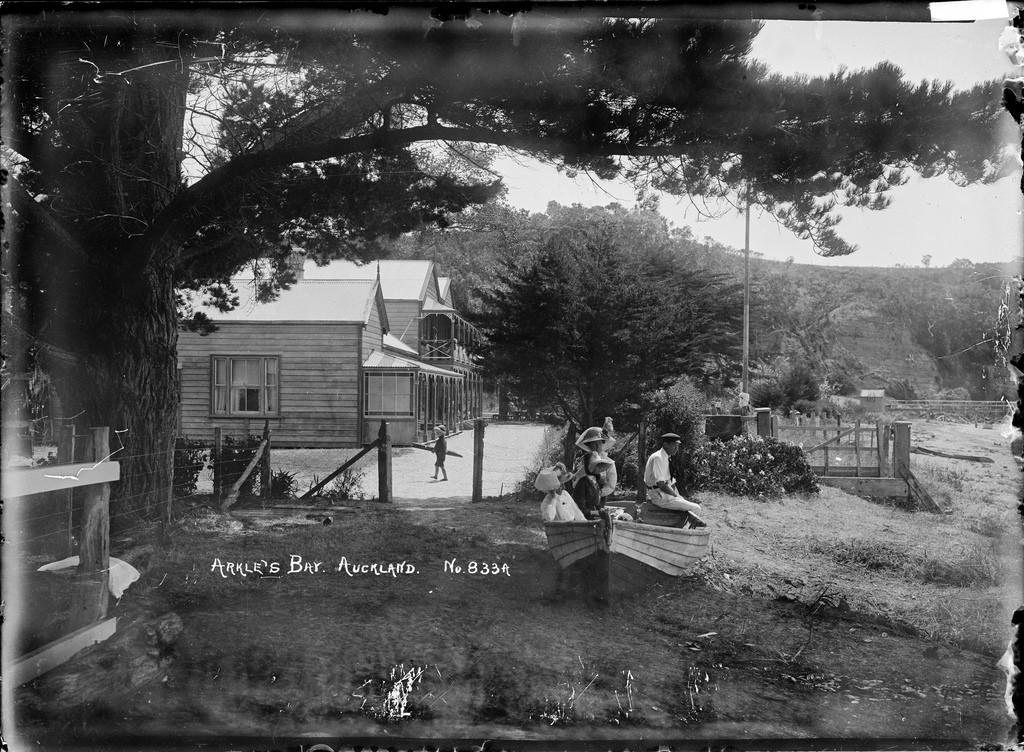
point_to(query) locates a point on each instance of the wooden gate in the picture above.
(865, 460)
(857, 451)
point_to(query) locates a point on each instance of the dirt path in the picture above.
(509, 453)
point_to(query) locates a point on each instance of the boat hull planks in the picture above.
(627, 557)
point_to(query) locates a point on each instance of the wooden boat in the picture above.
(614, 557)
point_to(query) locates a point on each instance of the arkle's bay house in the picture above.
(344, 348)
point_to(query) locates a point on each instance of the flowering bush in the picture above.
(754, 466)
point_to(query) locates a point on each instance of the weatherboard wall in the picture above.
(319, 377)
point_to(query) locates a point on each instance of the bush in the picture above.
(679, 409)
(901, 389)
(282, 485)
(190, 459)
(348, 485)
(795, 384)
(754, 466)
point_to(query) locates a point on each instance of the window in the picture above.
(388, 393)
(244, 386)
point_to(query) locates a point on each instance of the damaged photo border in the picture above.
(399, 706)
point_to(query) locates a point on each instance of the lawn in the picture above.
(818, 616)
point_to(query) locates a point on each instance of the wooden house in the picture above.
(344, 348)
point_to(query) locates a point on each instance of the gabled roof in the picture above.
(342, 301)
(444, 289)
(391, 342)
(397, 363)
(399, 279)
(432, 306)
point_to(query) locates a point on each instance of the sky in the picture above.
(927, 217)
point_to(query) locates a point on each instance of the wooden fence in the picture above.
(854, 450)
(978, 410)
(87, 624)
(862, 459)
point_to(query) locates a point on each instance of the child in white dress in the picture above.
(557, 505)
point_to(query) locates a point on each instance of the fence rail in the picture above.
(977, 407)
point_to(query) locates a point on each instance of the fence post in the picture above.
(641, 462)
(90, 600)
(567, 445)
(764, 421)
(856, 445)
(384, 464)
(901, 448)
(882, 443)
(66, 456)
(218, 471)
(478, 459)
(265, 474)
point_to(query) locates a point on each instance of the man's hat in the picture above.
(441, 430)
(670, 438)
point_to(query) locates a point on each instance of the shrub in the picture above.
(549, 453)
(796, 383)
(901, 389)
(282, 484)
(348, 485)
(679, 409)
(754, 466)
(190, 459)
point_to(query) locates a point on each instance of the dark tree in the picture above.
(602, 307)
(156, 151)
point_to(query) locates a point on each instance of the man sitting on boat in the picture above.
(661, 487)
(558, 505)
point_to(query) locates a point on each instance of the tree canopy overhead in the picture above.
(154, 151)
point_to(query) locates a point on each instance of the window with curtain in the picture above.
(388, 393)
(245, 385)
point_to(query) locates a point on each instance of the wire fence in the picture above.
(47, 522)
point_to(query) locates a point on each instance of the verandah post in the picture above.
(90, 600)
(383, 464)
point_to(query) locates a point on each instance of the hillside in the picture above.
(915, 331)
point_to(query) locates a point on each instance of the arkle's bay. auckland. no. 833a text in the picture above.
(296, 564)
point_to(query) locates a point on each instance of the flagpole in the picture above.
(746, 298)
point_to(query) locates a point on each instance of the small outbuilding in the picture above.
(872, 399)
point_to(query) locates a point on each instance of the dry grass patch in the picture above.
(938, 574)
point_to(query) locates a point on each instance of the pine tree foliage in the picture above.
(154, 152)
(601, 308)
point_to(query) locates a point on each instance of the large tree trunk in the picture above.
(109, 303)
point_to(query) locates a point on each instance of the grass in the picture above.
(362, 654)
(964, 567)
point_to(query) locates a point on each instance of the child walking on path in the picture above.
(440, 450)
